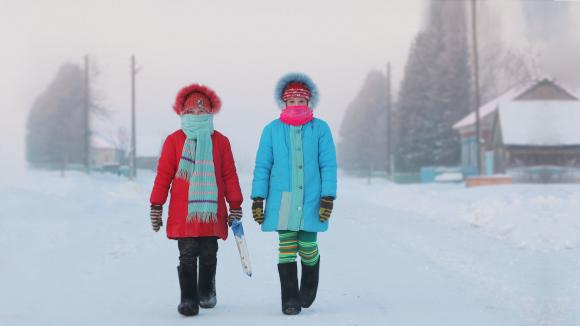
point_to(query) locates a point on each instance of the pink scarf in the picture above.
(296, 115)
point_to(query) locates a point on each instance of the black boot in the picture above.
(208, 247)
(289, 285)
(189, 305)
(206, 285)
(309, 284)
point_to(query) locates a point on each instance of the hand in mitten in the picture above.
(156, 217)
(234, 214)
(258, 210)
(326, 204)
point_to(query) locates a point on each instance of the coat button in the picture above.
(300, 166)
(299, 208)
(300, 187)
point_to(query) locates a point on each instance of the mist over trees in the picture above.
(436, 91)
(56, 127)
(552, 27)
(502, 65)
(363, 143)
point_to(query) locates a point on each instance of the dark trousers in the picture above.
(203, 247)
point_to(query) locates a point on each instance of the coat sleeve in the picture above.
(264, 162)
(327, 162)
(233, 191)
(166, 168)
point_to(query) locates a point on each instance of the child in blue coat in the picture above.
(295, 174)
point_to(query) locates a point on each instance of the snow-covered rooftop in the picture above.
(540, 123)
(491, 106)
(100, 141)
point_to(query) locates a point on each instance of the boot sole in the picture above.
(207, 305)
(306, 301)
(306, 306)
(291, 311)
(187, 310)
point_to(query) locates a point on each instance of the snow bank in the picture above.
(538, 217)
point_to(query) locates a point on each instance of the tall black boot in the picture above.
(189, 305)
(289, 285)
(309, 284)
(206, 285)
(207, 267)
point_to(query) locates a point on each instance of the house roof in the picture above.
(100, 141)
(540, 123)
(491, 106)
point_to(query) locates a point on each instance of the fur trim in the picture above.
(215, 101)
(296, 77)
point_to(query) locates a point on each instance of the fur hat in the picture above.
(296, 85)
(197, 95)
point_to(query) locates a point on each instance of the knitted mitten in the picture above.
(258, 210)
(234, 214)
(326, 204)
(156, 219)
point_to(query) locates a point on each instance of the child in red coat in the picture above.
(197, 164)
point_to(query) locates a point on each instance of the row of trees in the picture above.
(435, 92)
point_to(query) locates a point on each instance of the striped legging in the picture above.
(293, 243)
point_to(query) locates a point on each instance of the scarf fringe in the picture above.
(202, 217)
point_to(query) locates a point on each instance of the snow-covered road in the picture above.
(80, 251)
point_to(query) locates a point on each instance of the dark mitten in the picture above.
(258, 210)
(326, 204)
(156, 217)
(234, 214)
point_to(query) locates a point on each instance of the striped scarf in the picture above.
(196, 167)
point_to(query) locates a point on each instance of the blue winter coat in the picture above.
(293, 183)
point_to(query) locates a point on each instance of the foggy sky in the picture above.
(239, 48)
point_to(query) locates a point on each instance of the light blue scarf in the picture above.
(196, 167)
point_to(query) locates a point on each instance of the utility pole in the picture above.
(86, 118)
(476, 81)
(133, 156)
(389, 115)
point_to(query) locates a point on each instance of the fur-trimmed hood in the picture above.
(296, 77)
(209, 93)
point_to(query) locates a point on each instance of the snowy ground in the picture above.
(80, 251)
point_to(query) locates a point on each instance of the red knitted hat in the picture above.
(296, 89)
(196, 95)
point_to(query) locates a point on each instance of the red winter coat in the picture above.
(226, 179)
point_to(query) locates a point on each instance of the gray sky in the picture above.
(239, 48)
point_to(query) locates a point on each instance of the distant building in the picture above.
(531, 129)
(105, 153)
